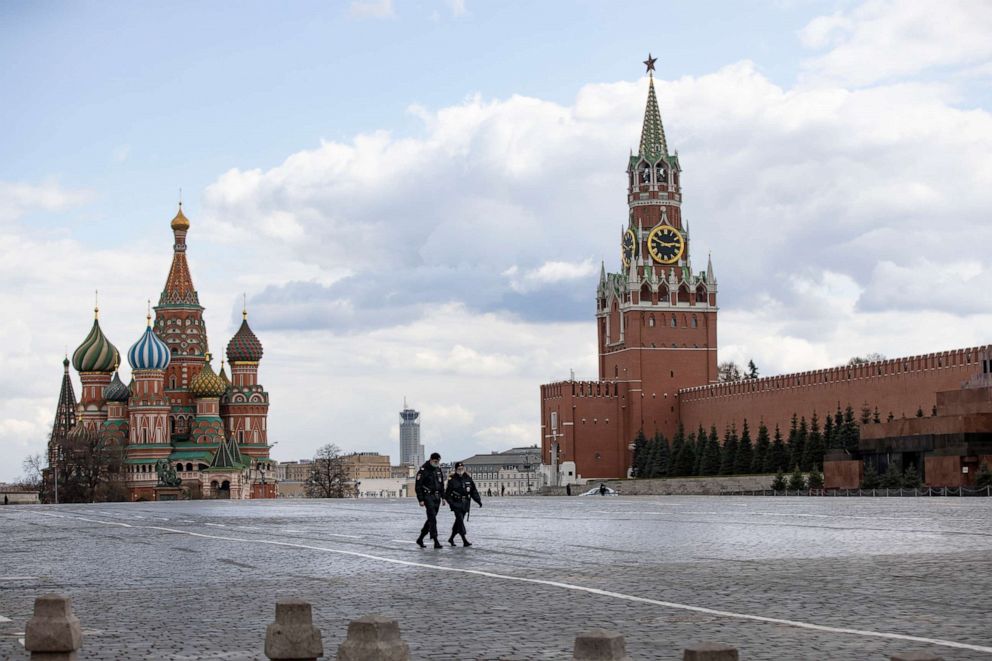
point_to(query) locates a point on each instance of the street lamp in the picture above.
(554, 457)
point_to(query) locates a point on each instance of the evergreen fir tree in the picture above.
(802, 435)
(678, 443)
(839, 426)
(815, 479)
(829, 436)
(911, 478)
(790, 447)
(779, 484)
(778, 456)
(686, 461)
(728, 453)
(701, 444)
(796, 481)
(984, 477)
(919, 412)
(662, 457)
(752, 370)
(851, 430)
(745, 452)
(710, 464)
(640, 454)
(891, 417)
(650, 453)
(865, 414)
(762, 448)
(813, 453)
(875, 418)
(892, 478)
(869, 480)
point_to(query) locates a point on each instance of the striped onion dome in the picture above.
(116, 391)
(96, 353)
(149, 352)
(244, 347)
(206, 383)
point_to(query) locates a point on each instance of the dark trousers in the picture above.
(432, 505)
(459, 527)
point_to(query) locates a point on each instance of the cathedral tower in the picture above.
(245, 405)
(179, 323)
(95, 360)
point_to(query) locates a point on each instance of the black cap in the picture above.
(459, 465)
(435, 455)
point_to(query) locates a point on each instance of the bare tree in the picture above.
(872, 357)
(728, 371)
(328, 477)
(91, 469)
(33, 467)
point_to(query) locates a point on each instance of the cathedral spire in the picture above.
(179, 288)
(710, 278)
(653, 146)
(65, 414)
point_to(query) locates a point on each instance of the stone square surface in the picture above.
(778, 578)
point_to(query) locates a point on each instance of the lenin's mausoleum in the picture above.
(656, 324)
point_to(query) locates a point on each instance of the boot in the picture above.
(420, 542)
(437, 544)
(465, 542)
(451, 540)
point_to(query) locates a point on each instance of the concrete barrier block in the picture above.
(709, 652)
(916, 656)
(53, 632)
(600, 645)
(292, 635)
(373, 638)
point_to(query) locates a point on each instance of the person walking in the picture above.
(430, 493)
(460, 493)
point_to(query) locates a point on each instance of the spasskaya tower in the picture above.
(656, 324)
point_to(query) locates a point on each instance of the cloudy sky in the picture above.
(415, 196)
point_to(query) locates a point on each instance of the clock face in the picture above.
(666, 244)
(629, 249)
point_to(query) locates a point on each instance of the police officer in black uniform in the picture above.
(430, 493)
(461, 488)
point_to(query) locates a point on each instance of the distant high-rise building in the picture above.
(411, 451)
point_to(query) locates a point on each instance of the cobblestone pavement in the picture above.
(199, 580)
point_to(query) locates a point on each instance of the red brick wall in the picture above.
(900, 385)
(842, 474)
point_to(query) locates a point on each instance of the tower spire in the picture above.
(653, 146)
(65, 415)
(179, 288)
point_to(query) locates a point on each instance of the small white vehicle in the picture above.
(601, 491)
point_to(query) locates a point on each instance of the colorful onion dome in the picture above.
(180, 222)
(96, 353)
(206, 383)
(244, 347)
(149, 352)
(116, 391)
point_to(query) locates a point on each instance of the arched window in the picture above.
(189, 466)
(179, 467)
(675, 322)
(694, 321)
(683, 294)
(662, 174)
(646, 293)
(701, 294)
(651, 321)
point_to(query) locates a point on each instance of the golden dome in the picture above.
(180, 222)
(206, 383)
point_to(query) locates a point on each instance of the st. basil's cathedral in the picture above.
(209, 428)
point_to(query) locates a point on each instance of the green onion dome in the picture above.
(244, 347)
(206, 383)
(116, 391)
(96, 353)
